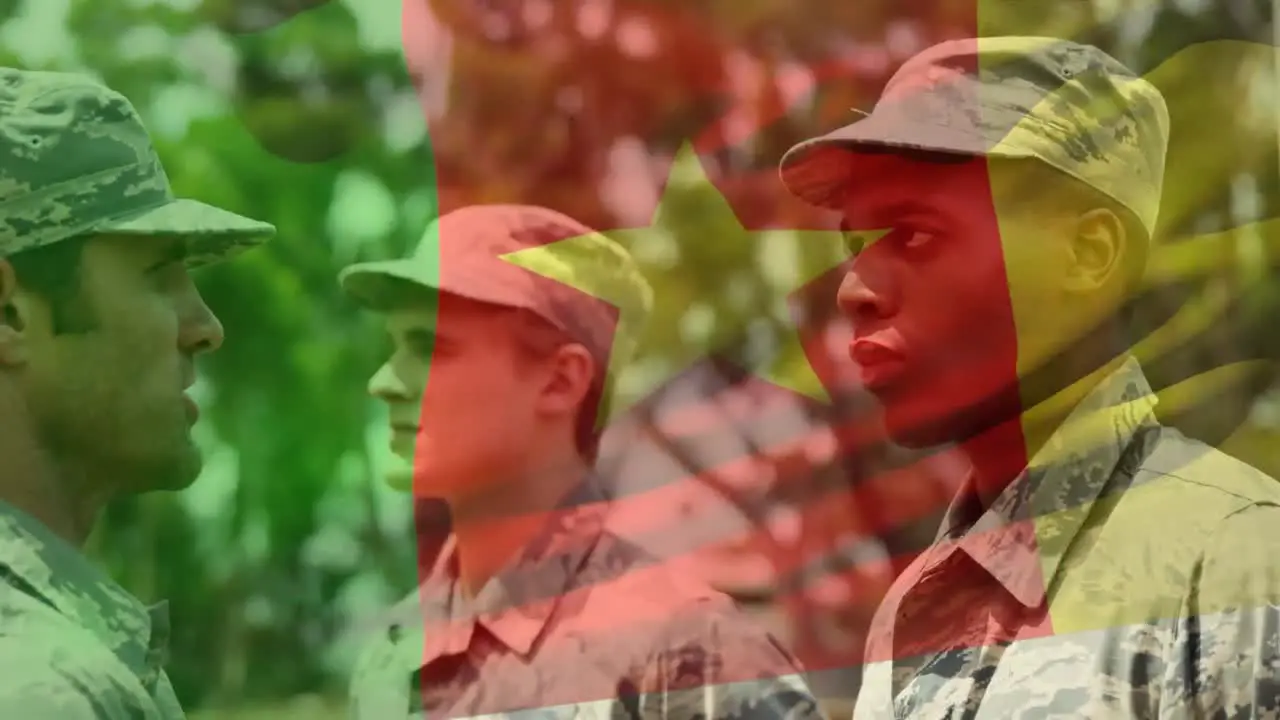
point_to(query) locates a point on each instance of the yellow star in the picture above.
(710, 277)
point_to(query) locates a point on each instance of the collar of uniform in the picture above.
(1023, 536)
(516, 604)
(62, 577)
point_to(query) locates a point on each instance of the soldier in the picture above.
(1002, 197)
(533, 603)
(100, 327)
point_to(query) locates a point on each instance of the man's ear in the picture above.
(572, 368)
(15, 317)
(1097, 250)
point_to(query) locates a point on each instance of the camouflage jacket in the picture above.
(73, 644)
(1130, 572)
(582, 624)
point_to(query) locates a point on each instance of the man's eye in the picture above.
(419, 345)
(917, 238)
(910, 238)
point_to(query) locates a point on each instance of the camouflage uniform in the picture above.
(581, 623)
(73, 644)
(77, 161)
(1158, 555)
(1128, 572)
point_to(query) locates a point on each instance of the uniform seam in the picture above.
(1248, 500)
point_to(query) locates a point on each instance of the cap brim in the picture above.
(377, 285)
(818, 170)
(382, 285)
(212, 234)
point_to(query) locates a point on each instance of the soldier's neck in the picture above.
(1002, 452)
(493, 531)
(32, 480)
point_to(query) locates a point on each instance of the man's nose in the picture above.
(200, 330)
(859, 299)
(386, 385)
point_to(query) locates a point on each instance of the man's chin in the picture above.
(169, 474)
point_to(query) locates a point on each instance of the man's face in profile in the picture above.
(111, 394)
(954, 293)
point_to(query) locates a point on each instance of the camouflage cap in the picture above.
(460, 254)
(1068, 105)
(78, 161)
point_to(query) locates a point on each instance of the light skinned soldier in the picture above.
(100, 327)
(1097, 564)
(533, 603)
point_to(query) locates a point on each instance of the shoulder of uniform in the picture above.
(1199, 493)
(682, 613)
(29, 617)
(1236, 573)
(48, 672)
(47, 570)
(1204, 474)
(645, 577)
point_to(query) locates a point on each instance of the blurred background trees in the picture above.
(315, 117)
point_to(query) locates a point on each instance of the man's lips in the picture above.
(404, 436)
(192, 410)
(879, 346)
(880, 357)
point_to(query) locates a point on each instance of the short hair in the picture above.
(53, 273)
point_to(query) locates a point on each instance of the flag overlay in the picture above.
(662, 128)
